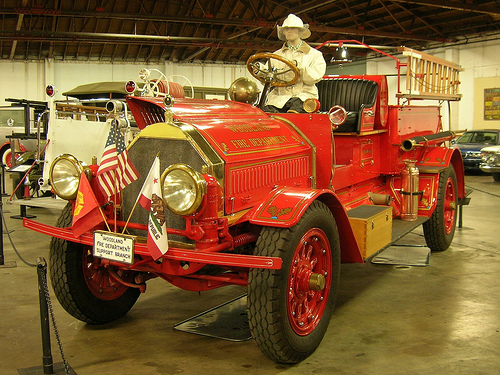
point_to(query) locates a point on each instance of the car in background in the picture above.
(18, 127)
(490, 161)
(471, 142)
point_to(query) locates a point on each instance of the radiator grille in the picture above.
(142, 154)
(255, 177)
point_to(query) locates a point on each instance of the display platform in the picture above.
(404, 255)
(228, 321)
(58, 368)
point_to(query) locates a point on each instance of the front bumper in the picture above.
(201, 256)
(490, 168)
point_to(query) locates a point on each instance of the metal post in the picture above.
(2, 190)
(2, 259)
(48, 367)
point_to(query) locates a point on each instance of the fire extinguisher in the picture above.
(409, 191)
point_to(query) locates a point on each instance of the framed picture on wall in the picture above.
(492, 104)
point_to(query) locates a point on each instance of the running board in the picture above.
(401, 228)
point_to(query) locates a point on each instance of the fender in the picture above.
(283, 207)
(21, 146)
(436, 159)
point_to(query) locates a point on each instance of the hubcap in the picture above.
(99, 281)
(309, 282)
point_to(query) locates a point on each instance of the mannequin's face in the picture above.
(291, 34)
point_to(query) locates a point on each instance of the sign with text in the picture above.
(114, 246)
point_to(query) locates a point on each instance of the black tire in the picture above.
(496, 176)
(440, 228)
(3, 152)
(274, 296)
(84, 289)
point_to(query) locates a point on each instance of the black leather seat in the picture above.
(351, 93)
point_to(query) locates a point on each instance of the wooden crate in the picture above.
(372, 227)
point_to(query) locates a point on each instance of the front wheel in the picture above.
(496, 176)
(85, 288)
(440, 228)
(289, 309)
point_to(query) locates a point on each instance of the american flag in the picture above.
(115, 165)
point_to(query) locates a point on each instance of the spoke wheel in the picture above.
(82, 285)
(289, 309)
(310, 270)
(439, 230)
(6, 156)
(98, 279)
(450, 204)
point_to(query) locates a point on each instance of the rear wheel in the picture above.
(440, 228)
(289, 309)
(85, 288)
(6, 156)
(496, 176)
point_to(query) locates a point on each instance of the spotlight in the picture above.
(341, 55)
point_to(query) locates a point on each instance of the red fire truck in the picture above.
(271, 202)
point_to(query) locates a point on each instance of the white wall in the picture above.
(27, 80)
(481, 64)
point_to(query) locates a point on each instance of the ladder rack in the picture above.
(429, 77)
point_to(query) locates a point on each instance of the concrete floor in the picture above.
(440, 319)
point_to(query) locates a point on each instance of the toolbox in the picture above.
(372, 227)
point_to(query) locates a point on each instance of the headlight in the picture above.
(182, 189)
(65, 172)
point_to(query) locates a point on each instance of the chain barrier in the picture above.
(42, 265)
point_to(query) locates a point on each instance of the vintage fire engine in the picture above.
(272, 202)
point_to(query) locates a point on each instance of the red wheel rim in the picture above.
(7, 158)
(305, 306)
(449, 206)
(99, 281)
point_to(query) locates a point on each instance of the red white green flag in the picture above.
(150, 198)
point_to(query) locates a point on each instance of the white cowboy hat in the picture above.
(293, 21)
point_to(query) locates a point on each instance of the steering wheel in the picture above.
(263, 67)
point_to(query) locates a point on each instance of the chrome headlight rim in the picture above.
(198, 182)
(79, 168)
(337, 115)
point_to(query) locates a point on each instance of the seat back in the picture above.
(351, 93)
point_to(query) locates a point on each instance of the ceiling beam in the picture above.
(253, 24)
(18, 27)
(454, 5)
(138, 17)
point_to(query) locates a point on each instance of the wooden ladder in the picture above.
(429, 77)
